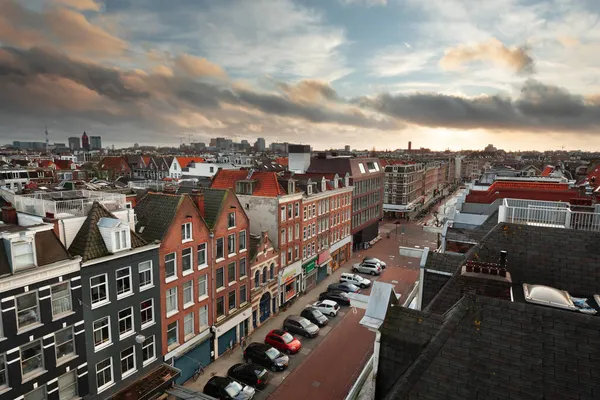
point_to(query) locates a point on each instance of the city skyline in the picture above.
(442, 74)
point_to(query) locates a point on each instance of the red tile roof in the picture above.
(522, 190)
(46, 163)
(267, 185)
(146, 160)
(282, 161)
(547, 170)
(114, 163)
(63, 164)
(594, 177)
(185, 161)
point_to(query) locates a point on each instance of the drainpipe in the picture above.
(376, 348)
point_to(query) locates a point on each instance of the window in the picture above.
(264, 275)
(220, 307)
(283, 236)
(242, 240)
(283, 258)
(297, 231)
(170, 265)
(104, 376)
(188, 293)
(171, 300)
(186, 260)
(188, 325)
(145, 274)
(314, 209)
(148, 349)
(28, 311)
(243, 267)
(220, 250)
(296, 210)
(126, 321)
(127, 361)
(231, 272)
(231, 244)
(297, 249)
(172, 333)
(64, 343)
(304, 233)
(304, 214)
(61, 298)
(67, 386)
(257, 279)
(3, 372)
(231, 220)
(147, 312)
(283, 213)
(314, 229)
(102, 332)
(202, 254)
(22, 255)
(243, 294)
(186, 231)
(290, 255)
(289, 208)
(32, 359)
(99, 289)
(203, 322)
(123, 281)
(120, 240)
(37, 394)
(231, 299)
(272, 271)
(202, 288)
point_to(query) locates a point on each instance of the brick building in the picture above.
(264, 271)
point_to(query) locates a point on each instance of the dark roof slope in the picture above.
(155, 211)
(488, 348)
(49, 249)
(473, 235)
(444, 262)
(433, 280)
(213, 203)
(89, 243)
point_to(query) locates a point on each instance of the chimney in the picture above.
(409, 146)
(9, 214)
(485, 279)
(49, 219)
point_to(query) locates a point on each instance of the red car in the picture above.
(283, 341)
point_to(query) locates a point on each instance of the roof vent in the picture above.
(548, 296)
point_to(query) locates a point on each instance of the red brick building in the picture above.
(264, 271)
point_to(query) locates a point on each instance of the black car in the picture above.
(225, 388)
(267, 356)
(336, 295)
(300, 325)
(250, 374)
(344, 287)
(315, 316)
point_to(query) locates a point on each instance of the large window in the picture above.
(3, 371)
(172, 333)
(170, 265)
(272, 271)
(243, 294)
(61, 299)
(220, 306)
(243, 271)
(242, 240)
(32, 359)
(202, 287)
(127, 361)
(231, 244)
(186, 231)
(203, 321)
(283, 236)
(188, 325)
(145, 272)
(188, 293)
(202, 254)
(148, 351)
(22, 255)
(257, 279)
(102, 331)
(123, 281)
(120, 240)
(231, 220)
(231, 272)
(171, 297)
(126, 321)
(147, 312)
(99, 289)
(296, 210)
(28, 311)
(64, 343)
(104, 375)
(186, 260)
(67, 386)
(231, 300)
(220, 277)
(220, 249)
(37, 394)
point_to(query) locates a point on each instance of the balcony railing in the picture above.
(549, 214)
(68, 203)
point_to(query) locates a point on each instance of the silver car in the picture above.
(367, 268)
(375, 260)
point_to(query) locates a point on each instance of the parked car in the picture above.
(315, 316)
(300, 325)
(344, 287)
(375, 260)
(267, 356)
(283, 341)
(249, 374)
(355, 279)
(336, 295)
(367, 268)
(226, 388)
(327, 307)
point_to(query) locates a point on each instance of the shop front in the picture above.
(189, 355)
(340, 252)
(290, 280)
(310, 274)
(324, 263)
(229, 332)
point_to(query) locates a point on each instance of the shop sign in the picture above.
(309, 266)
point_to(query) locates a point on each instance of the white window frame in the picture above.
(132, 370)
(28, 242)
(120, 240)
(176, 322)
(234, 220)
(36, 307)
(186, 322)
(107, 342)
(201, 310)
(4, 370)
(245, 271)
(176, 309)
(37, 370)
(42, 388)
(131, 331)
(202, 249)
(145, 346)
(125, 277)
(222, 256)
(205, 281)
(143, 269)
(70, 386)
(191, 263)
(283, 213)
(244, 242)
(108, 384)
(58, 299)
(56, 344)
(104, 301)
(151, 322)
(170, 278)
(186, 232)
(190, 288)
(230, 236)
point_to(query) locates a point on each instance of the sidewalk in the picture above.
(221, 365)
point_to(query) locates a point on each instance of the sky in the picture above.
(444, 74)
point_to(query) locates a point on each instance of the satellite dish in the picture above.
(140, 339)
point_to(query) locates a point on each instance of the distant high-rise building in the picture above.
(74, 143)
(199, 146)
(279, 147)
(260, 144)
(409, 146)
(29, 145)
(135, 145)
(347, 148)
(95, 143)
(85, 141)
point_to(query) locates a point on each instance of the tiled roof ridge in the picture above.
(403, 385)
(85, 232)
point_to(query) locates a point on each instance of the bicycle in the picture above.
(199, 371)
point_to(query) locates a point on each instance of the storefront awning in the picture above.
(324, 258)
(156, 382)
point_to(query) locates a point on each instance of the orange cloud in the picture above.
(309, 91)
(83, 5)
(198, 67)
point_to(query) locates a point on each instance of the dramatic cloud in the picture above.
(198, 67)
(516, 59)
(84, 5)
(309, 91)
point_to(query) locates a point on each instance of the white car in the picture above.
(367, 267)
(355, 279)
(327, 307)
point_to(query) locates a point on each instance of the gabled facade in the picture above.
(113, 167)
(264, 274)
(42, 349)
(179, 163)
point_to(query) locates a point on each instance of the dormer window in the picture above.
(309, 188)
(291, 186)
(23, 254)
(115, 233)
(323, 185)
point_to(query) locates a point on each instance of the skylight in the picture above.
(361, 167)
(108, 222)
(548, 296)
